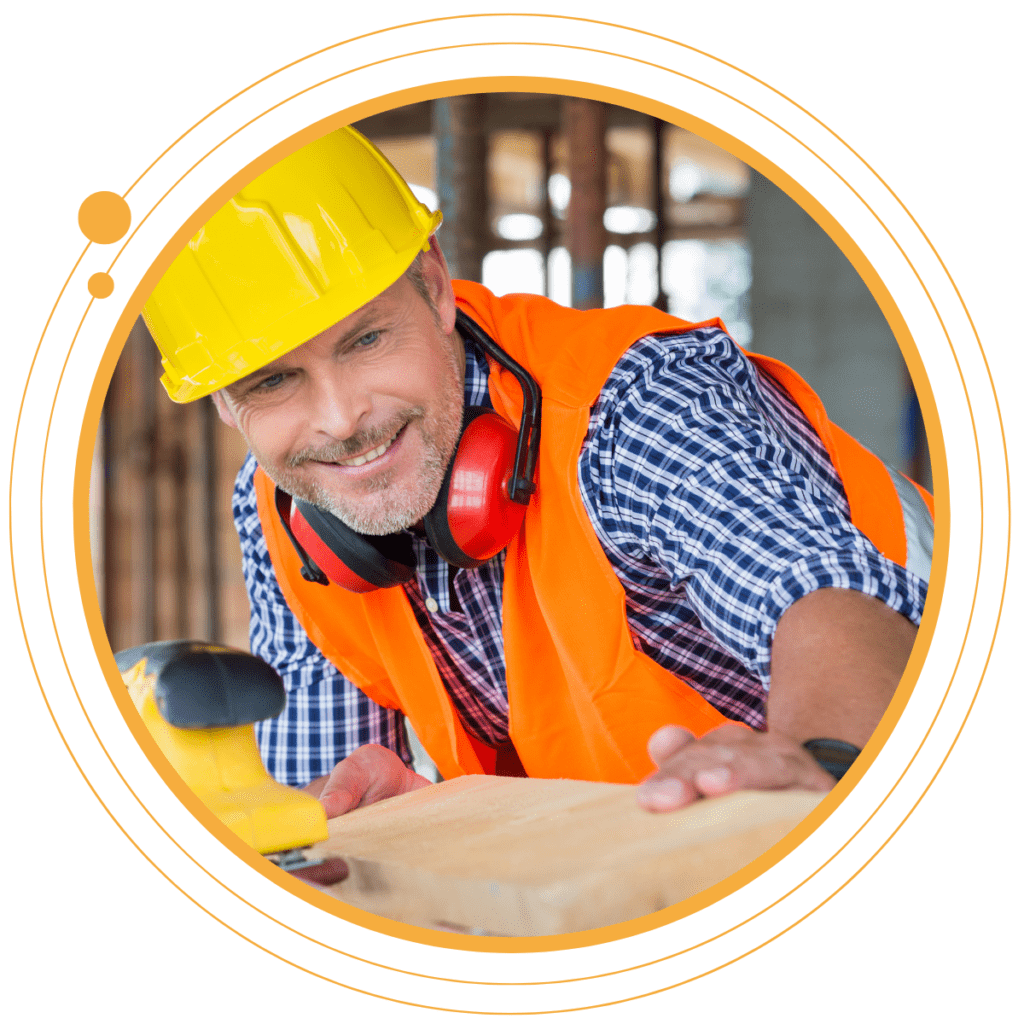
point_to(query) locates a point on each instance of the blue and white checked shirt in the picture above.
(715, 503)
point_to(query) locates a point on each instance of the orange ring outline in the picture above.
(307, 90)
(924, 288)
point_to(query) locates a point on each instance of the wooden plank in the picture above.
(521, 857)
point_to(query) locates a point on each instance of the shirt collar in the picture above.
(477, 372)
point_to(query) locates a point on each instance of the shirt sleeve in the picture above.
(707, 477)
(327, 716)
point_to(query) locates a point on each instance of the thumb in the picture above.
(666, 742)
(342, 791)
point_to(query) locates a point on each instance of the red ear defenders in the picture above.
(478, 509)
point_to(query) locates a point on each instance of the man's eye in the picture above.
(366, 340)
(269, 383)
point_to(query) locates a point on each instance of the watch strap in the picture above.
(834, 756)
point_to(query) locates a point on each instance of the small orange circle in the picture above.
(101, 285)
(104, 217)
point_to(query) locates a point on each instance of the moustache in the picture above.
(366, 440)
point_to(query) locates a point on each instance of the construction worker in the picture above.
(601, 545)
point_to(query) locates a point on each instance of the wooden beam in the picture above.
(584, 127)
(547, 213)
(462, 183)
(129, 531)
(505, 111)
(658, 175)
(170, 555)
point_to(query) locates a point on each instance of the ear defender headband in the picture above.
(478, 510)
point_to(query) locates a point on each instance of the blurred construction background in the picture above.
(590, 204)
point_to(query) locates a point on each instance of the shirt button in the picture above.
(431, 605)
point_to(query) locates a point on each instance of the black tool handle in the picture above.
(207, 686)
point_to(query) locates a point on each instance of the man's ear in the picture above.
(439, 284)
(227, 417)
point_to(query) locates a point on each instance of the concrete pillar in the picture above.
(811, 309)
(461, 138)
(584, 123)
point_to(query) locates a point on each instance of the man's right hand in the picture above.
(368, 774)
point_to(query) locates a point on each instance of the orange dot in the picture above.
(104, 217)
(101, 285)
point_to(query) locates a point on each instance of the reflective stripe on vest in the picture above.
(918, 525)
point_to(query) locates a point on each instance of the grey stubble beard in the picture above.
(394, 510)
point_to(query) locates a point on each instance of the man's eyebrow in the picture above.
(236, 388)
(367, 317)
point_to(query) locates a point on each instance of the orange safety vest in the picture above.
(583, 700)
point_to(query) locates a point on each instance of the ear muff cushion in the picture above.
(352, 560)
(473, 518)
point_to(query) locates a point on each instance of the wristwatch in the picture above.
(834, 756)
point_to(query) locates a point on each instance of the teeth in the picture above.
(360, 460)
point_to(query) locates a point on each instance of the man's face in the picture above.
(363, 419)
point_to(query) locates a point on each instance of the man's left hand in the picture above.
(724, 760)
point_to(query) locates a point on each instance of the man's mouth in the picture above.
(370, 456)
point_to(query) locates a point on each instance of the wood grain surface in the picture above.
(522, 857)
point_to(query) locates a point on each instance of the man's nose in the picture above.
(338, 405)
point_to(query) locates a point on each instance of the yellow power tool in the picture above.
(200, 702)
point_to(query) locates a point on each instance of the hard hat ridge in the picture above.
(311, 240)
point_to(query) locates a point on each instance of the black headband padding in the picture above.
(381, 561)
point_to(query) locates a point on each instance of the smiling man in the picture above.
(709, 586)
(361, 420)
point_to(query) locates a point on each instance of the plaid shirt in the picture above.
(716, 505)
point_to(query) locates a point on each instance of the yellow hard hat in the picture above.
(307, 243)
